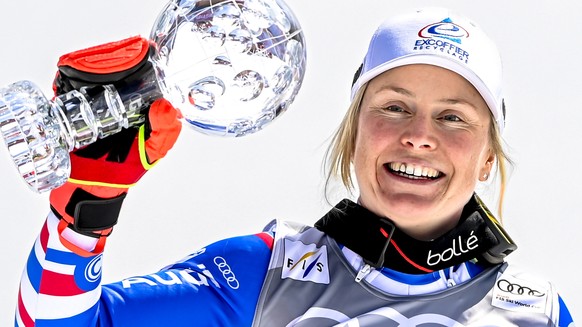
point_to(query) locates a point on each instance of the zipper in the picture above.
(450, 281)
(364, 271)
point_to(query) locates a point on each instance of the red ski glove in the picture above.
(101, 173)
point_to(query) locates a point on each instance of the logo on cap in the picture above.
(445, 29)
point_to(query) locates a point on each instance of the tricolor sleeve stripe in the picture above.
(55, 266)
(33, 272)
(59, 307)
(57, 286)
(27, 299)
(61, 257)
(22, 316)
(44, 236)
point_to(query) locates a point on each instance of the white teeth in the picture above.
(410, 169)
(416, 170)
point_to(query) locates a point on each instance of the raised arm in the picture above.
(62, 276)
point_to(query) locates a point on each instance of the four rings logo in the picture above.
(227, 273)
(516, 289)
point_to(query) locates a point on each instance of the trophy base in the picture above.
(31, 136)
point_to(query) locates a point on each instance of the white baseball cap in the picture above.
(437, 36)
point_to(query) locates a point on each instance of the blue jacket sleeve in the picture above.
(216, 286)
(565, 316)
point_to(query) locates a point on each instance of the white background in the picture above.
(211, 188)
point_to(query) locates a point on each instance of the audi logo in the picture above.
(227, 273)
(513, 288)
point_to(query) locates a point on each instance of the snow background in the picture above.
(211, 188)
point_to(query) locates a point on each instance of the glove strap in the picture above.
(86, 213)
(90, 215)
(93, 214)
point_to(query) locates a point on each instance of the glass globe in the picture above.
(232, 67)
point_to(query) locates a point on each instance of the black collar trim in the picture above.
(478, 236)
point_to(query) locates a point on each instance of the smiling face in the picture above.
(422, 144)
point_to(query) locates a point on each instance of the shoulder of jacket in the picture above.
(519, 289)
(525, 275)
(283, 228)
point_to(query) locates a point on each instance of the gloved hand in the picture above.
(102, 172)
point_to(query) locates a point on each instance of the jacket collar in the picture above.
(478, 236)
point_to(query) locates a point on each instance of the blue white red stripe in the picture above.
(56, 283)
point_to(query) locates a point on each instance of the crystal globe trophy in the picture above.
(230, 66)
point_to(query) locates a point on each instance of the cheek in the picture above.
(360, 152)
(374, 133)
(367, 146)
(472, 161)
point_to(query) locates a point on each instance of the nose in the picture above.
(419, 134)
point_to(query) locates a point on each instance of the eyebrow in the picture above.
(458, 101)
(411, 94)
(397, 89)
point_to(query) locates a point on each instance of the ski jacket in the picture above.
(288, 275)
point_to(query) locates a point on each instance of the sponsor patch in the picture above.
(514, 294)
(445, 29)
(445, 37)
(305, 262)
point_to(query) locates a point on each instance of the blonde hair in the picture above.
(340, 153)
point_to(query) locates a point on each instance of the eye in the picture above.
(452, 118)
(394, 108)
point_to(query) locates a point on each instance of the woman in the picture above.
(418, 248)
